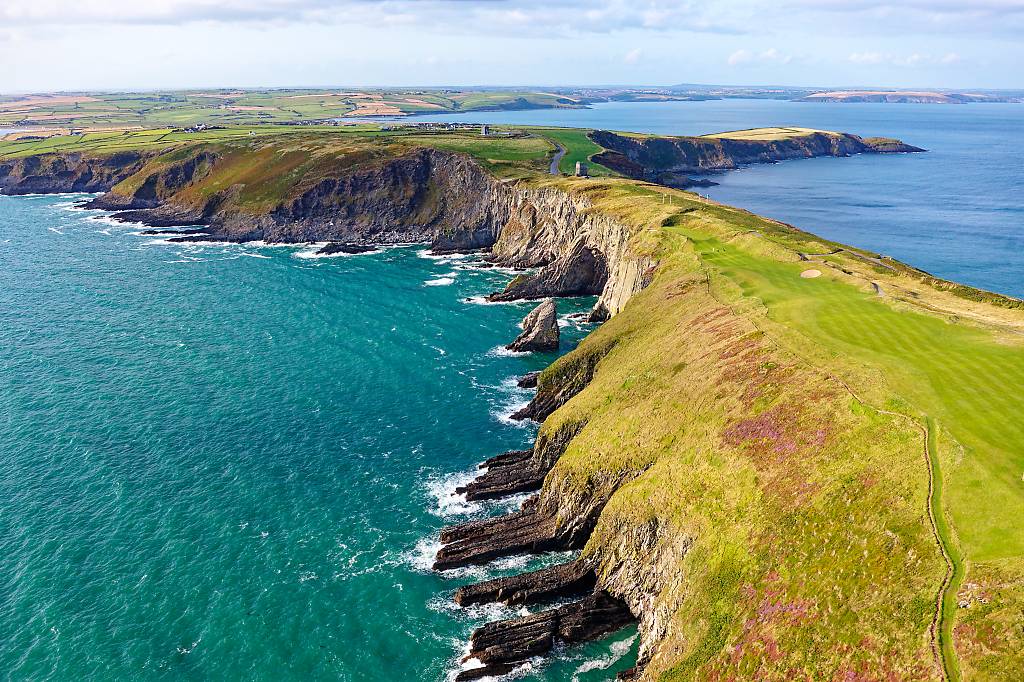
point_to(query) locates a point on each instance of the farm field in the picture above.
(227, 107)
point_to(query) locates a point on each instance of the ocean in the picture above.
(956, 211)
(231, 462)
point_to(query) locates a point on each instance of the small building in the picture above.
(485, 130)
(581, 169)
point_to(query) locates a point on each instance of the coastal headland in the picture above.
(776, 475)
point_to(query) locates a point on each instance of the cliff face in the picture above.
(659, 158)
(55, 173)
(421, 195)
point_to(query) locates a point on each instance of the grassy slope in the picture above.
(578, 147)
(953, 366)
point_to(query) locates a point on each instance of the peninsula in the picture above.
(781, 456)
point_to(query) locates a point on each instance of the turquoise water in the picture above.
(957, 211)
(230, 462)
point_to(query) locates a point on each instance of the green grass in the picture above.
(954, 372)
(578, 147)
(277, 106)
(658, 405)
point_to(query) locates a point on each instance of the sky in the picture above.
(50, 45)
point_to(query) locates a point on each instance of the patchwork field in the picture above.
(251, 107)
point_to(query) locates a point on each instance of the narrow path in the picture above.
(942, 623)
(559, 155)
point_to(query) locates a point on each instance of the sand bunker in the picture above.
(810, 274)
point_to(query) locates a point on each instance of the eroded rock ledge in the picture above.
(502, 645)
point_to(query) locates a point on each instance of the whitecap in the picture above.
(427, 253)
(446, 502)
(616, 651)
(54, 229)
(439, 282)
(502, 352)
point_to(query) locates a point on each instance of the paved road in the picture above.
(557, 160)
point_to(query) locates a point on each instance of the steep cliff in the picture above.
(361, 197)
(68, 172)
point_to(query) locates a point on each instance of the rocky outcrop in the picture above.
(528, 380)
(547, 584)
(332, 248)
(507, 474)
(540, 330)
(670, 160)
(476, 542)
(500, 646)
(67, 172)
(158, 184)
(582, 271)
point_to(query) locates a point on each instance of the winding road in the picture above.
(557, 159)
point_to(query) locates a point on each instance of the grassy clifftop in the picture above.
(764, 412)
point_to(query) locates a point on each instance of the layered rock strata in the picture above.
(540, 330)
(500, 646)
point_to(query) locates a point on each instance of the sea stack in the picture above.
(540, 329)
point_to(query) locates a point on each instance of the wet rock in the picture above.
(540, 330)
(477, 542)
(564, 580)
(528, 380)
(172, 232)
(345, 247)
(496, 645)
(507, 474)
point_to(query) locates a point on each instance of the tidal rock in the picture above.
(496, 645)
(554, 582)
(507, 474)
(540, 330)
(344, 247)
(171, 232)
(528, 380)
(478, 542)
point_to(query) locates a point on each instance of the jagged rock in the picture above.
(582, 271)
(496, 645)
(172, 232)
(540, 330)
(506, 474)
(564, 580)
(345, 247)
(528, 380)
(478, 542)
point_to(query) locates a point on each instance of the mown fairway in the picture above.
(958, 374)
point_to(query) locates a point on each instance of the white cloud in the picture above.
(913, 59)
(769, 56)
(867, 57)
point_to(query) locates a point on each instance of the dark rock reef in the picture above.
(540, 330)
(500, 646)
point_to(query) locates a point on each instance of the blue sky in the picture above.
(107, 44)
